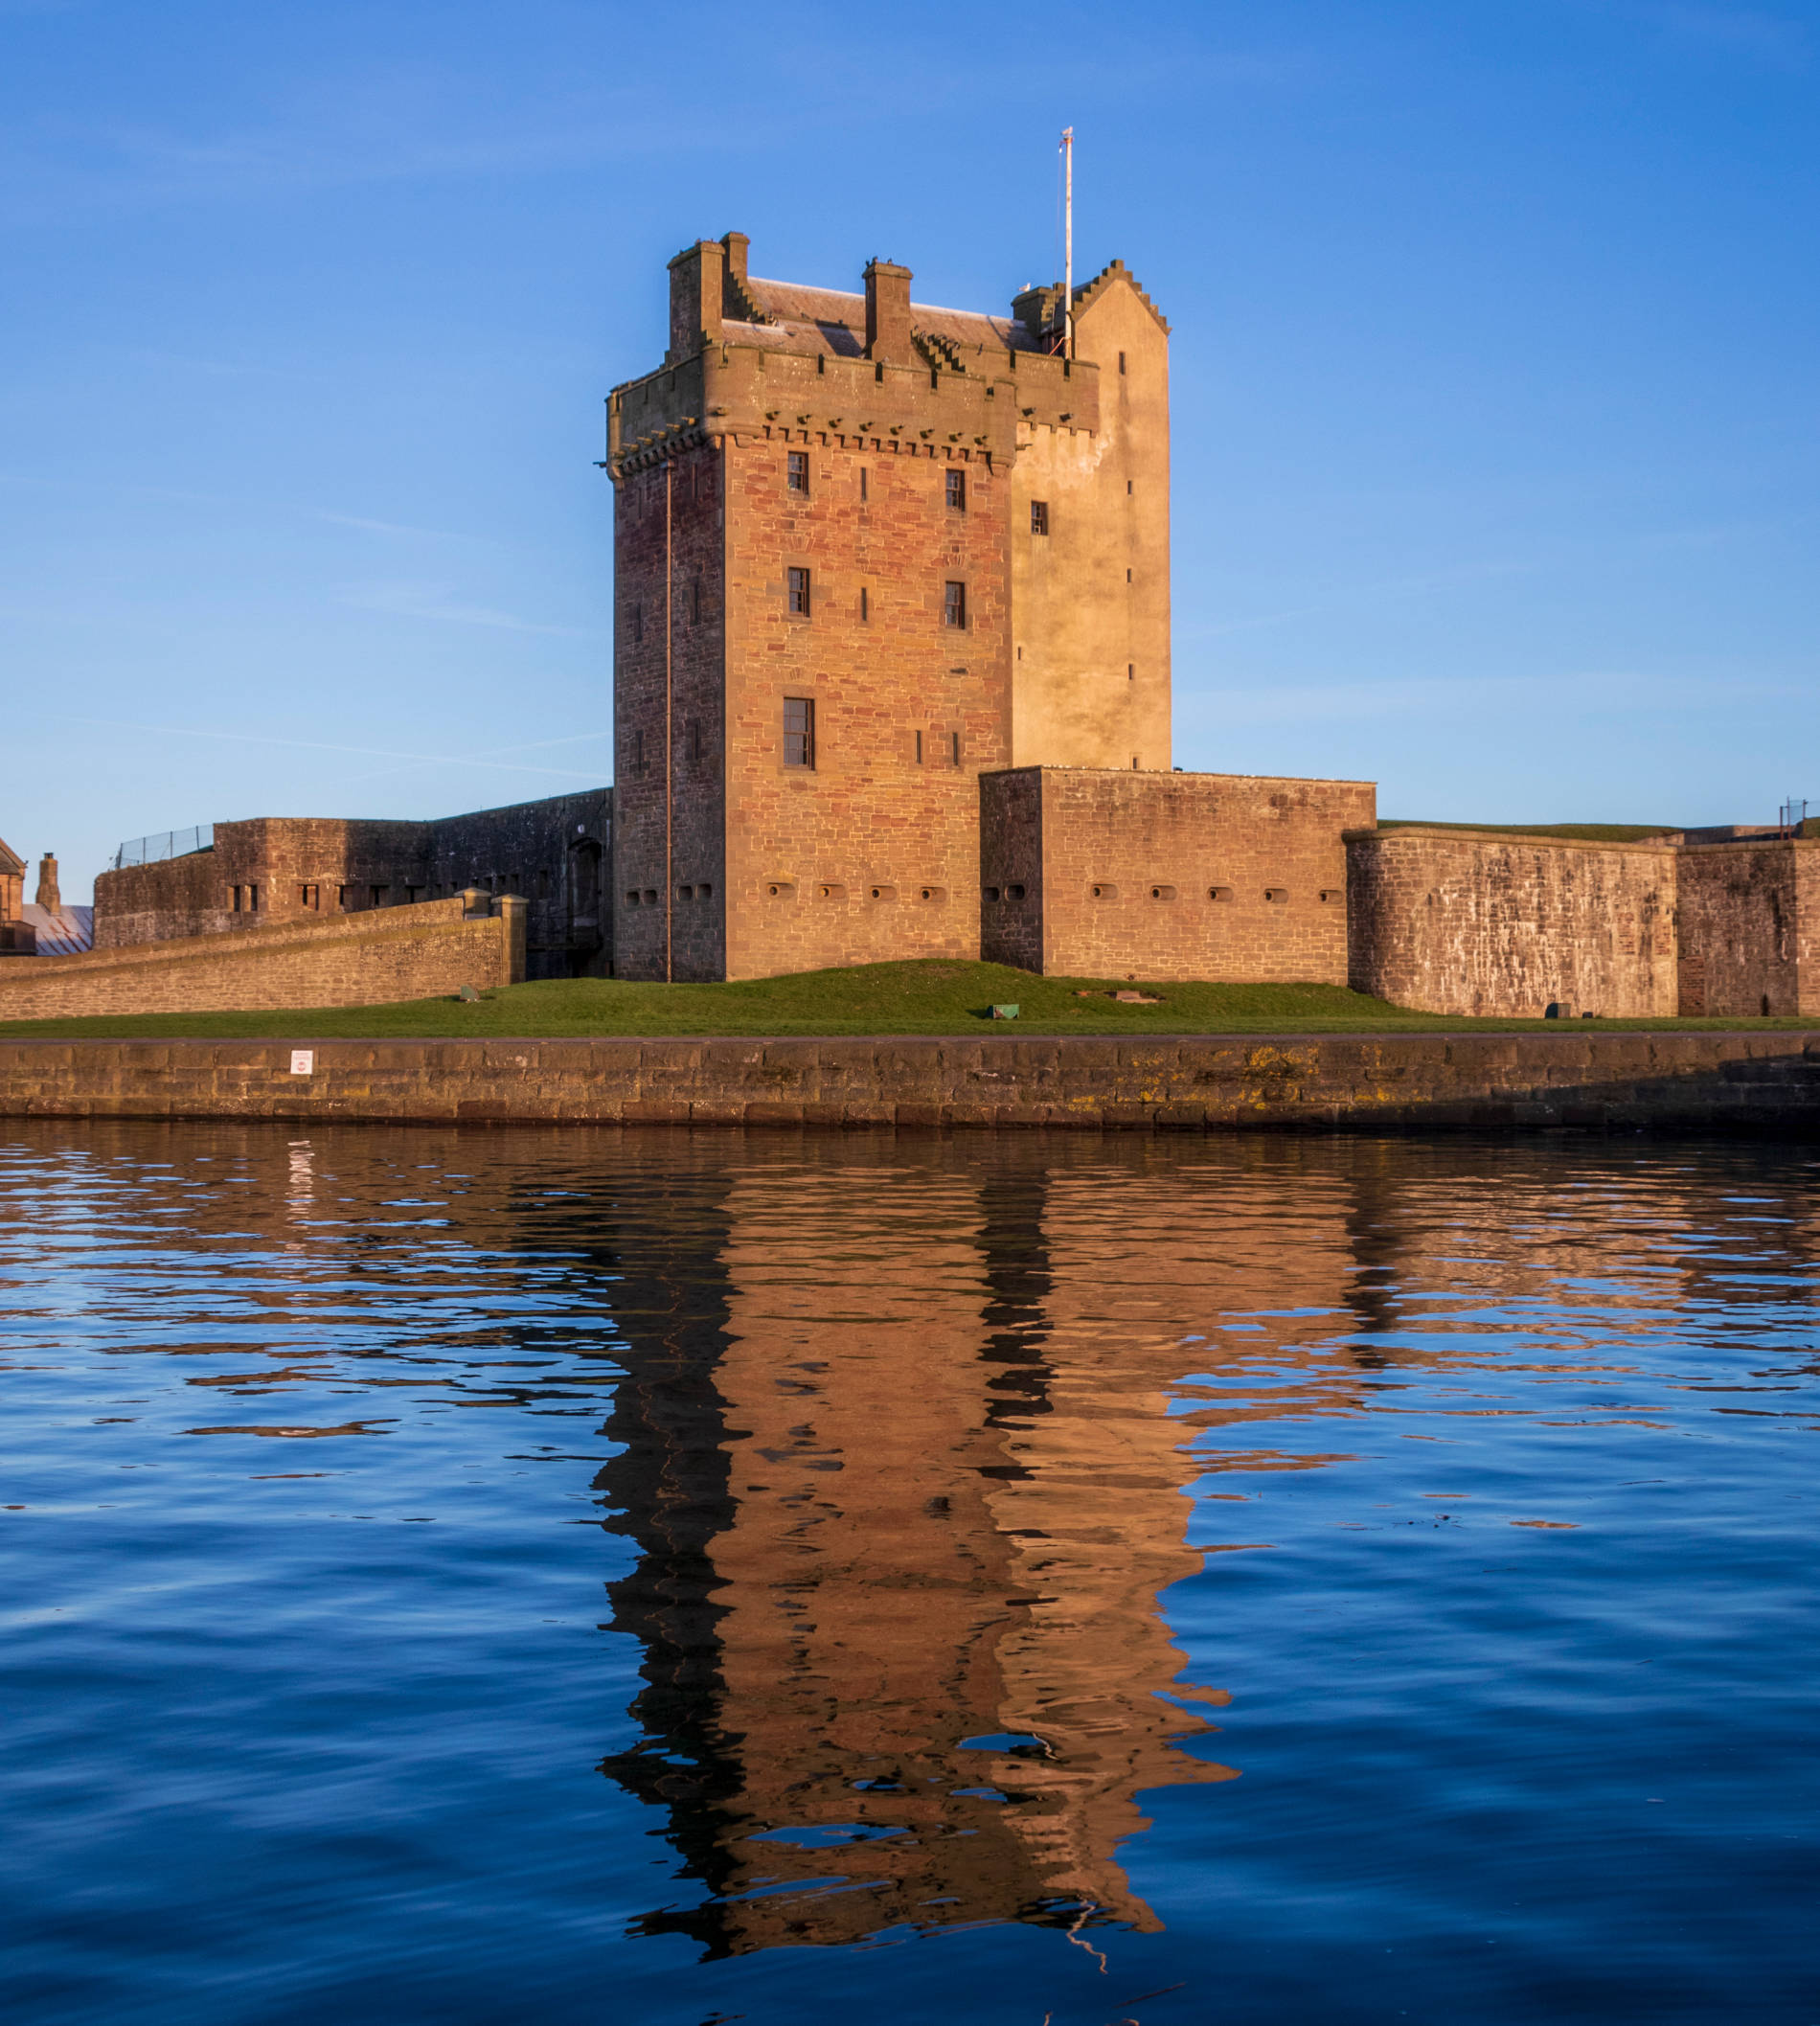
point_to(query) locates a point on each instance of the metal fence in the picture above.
(164, 844)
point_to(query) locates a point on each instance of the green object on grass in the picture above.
(1003, 1012)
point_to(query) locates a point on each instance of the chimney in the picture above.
(888, 311)
(48, 899)
(696, 286)
(736, 244)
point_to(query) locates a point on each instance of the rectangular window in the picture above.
(864, 485)
(638, 625)
(797, 478)
(638, 752)
(956, 738)
(799, 594)
(919, 748)
(376, 895)
(957, 491)
(954, 604)
(341, 898)
(865, 604)
(1120, 361)
(1039, 516)
(311, 897)
(695, 600)
(799, 731)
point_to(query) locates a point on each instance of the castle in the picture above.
(892, 650)
(891, 680)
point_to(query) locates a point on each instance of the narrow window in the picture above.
(1134, 762)
(341, 898)
(694, 741)
(252, 900)
(695, 600)
(955, 736)
(237, 909)
(1128, 485)
(1120, 361)
(797, 475)
(865, 604)
(954, 604)
(376, 895)
(638, 625)
(1130, 675)
(311, 897)
(799, 594)
(1127, 577)
(799, 731)
(864, 485)
(879, 373)
(957, 491)
(638, 752)
(919, 748)
(1039, 516)
(821, 363)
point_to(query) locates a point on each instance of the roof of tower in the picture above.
(832, 321)
(1116, 271)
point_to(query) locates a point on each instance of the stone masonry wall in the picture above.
(1464, 921)
(1169, 876)
(373, 959)
(1750, 928)
(874, 852)
(669, 893)
(341, 861)
(1768, 1081)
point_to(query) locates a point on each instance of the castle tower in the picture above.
(866, 551)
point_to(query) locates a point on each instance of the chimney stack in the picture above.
(698, 284)
(48, 899)
(888, 311)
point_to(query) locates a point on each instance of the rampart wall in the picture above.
(1464, 921)
(1750, 928)
(1089, 873)
(416, 952)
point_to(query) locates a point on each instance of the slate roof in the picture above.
(66, 933)
(832, 321)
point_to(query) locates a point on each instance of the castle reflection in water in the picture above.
(906, 1455)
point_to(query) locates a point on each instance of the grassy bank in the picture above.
(933, 997)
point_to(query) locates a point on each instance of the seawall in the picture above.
(1691, 1081)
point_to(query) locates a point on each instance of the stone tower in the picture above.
(865, 551)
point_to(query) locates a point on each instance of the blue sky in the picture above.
(1494, 370)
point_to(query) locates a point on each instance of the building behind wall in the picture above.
(272, 870)
(867, 551)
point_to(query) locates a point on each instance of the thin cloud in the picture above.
(395, 527)
(432, 601)
(492, 759)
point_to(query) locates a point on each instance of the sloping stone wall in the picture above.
(360, 960)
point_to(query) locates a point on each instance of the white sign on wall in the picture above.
(303, 1062)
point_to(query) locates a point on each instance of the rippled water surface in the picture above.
(593, 1577)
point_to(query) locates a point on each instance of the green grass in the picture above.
(930, 997)
(1587, 832)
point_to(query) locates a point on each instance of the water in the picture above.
(586, 1576)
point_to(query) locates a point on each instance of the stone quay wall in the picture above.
(1472, 921)
(1691, 1081)
(359, 960)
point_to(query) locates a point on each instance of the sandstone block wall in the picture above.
(1465, 921)
(1100, 874)
(1750, 928)
(1766, 1082)
(411, 952)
